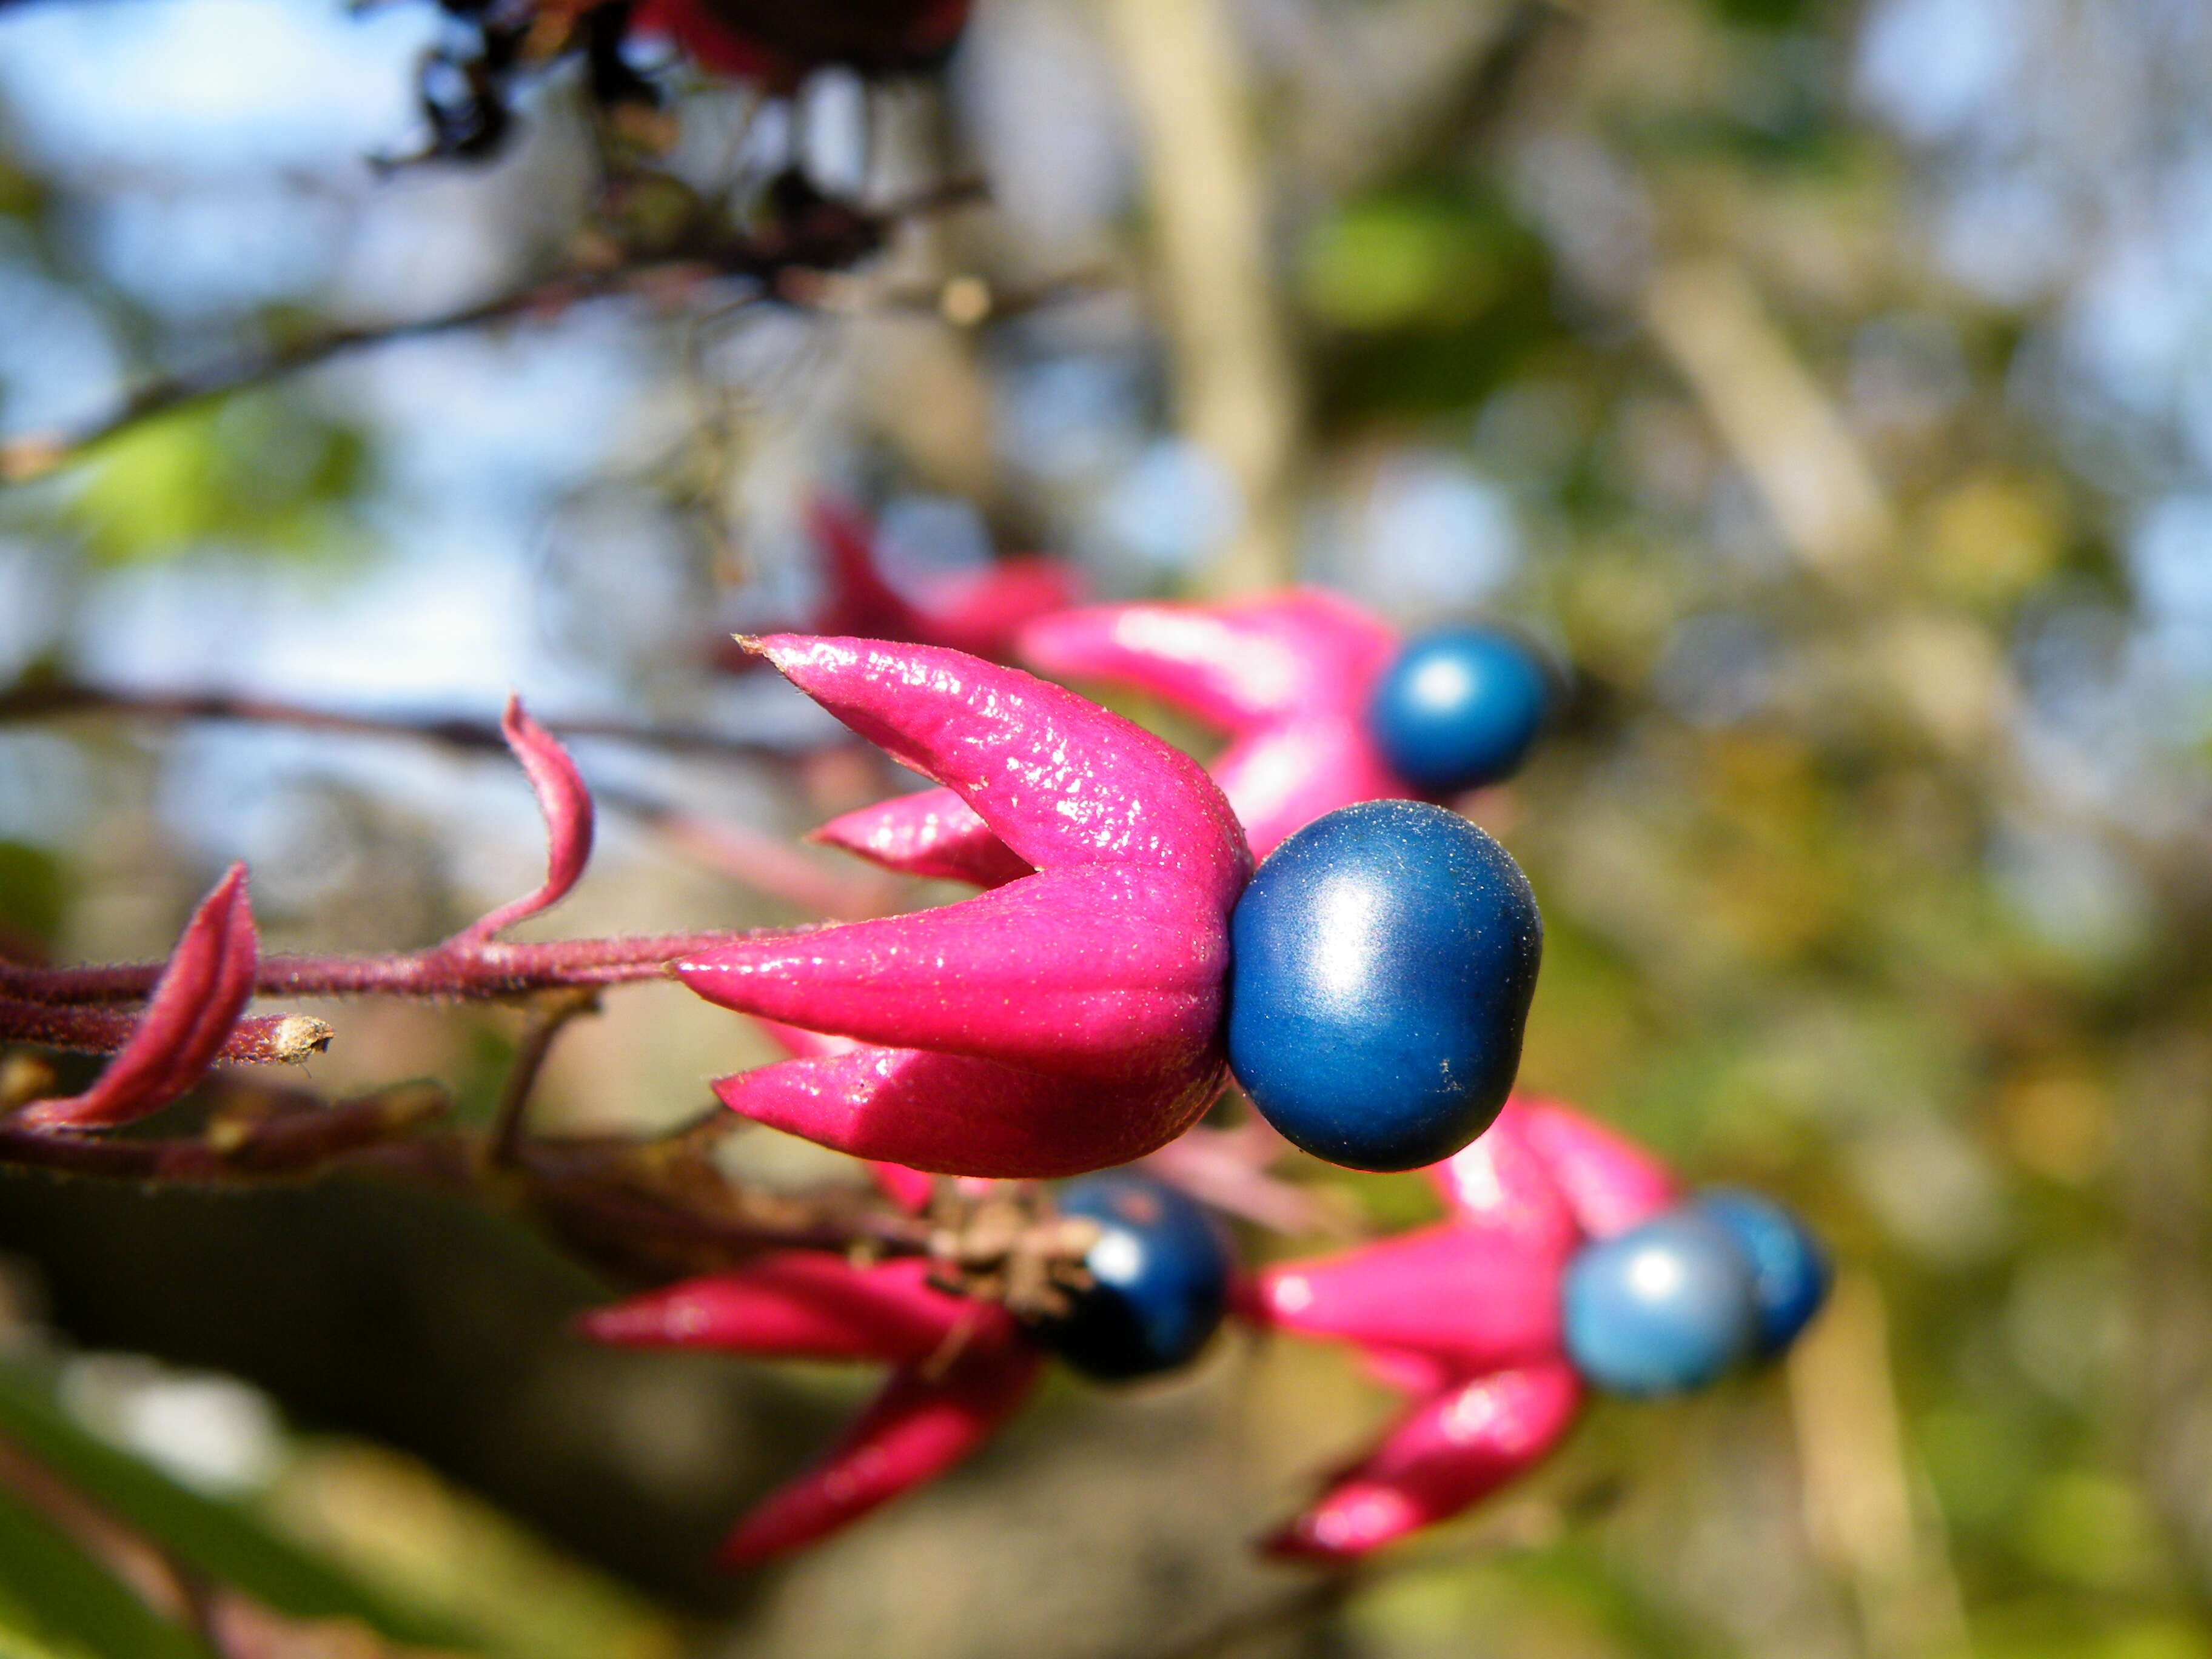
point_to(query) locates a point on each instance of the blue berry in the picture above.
(1382, 963)
(1160, 1279)
(1665, 1307)
(1790, 1271)
(1459, 708)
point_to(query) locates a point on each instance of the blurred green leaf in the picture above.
(252, 474)
(396, 1522)
(57, 1600)
(214, 1538)
(2090, 1528)
(1395, 262)
(35, 890)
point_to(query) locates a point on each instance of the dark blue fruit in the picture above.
(1160, 1279)
(1382, 964)
(1460, 708)
(1665, 1307)
(1790, 1271)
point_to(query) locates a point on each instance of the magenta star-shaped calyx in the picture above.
(1068, 1020)
(1464, 1315)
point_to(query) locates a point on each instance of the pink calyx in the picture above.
(1064, 1021)
(1288, 677)
(1464, 1316)
(960, 1369)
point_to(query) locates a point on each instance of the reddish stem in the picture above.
(40, 700)
(293, 1143)
(258, 1040)
(460, 969)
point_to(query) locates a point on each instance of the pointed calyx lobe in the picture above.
(1465, 1316)
(1067, 1020)
(959, 1370)
(565, 804)
(979, 610)
(1288, 677)
(195, 1004)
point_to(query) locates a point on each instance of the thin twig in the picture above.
(548, 1015)
(35, 456)
(760, 861)
(1298, 1606)
(44, 700)
(781, 260)
(257, 1039)
(466, 971)
(289, 1144)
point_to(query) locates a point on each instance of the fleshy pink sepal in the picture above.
(1501, 1182)
(1448, 1452)
(910, 1189)
(1288, 677)
(932, 833)
(566, 805)
(979, 611)
(1059, 779)
(916, 1428)
(1468, 1299)
(801, 1305)
(954, 1115)
(1610, 1182)
(1064, 1021)
(197, 1002)
(1102, 972)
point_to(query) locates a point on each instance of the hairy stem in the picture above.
(457, 970)
(257, 1040)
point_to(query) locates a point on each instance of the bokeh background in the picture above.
(1829, 387)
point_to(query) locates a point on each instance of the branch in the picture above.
(257, 1040)
(784, 260)
(466, 971)
(551, 1013)
(38, 454)
(1236, 389)
(42, 699)
(292, 1141)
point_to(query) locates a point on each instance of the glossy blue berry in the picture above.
(1460, 708)
(1382, 963)
(1790, 1271)
(1665, 1307)
(1159, 1280)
